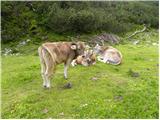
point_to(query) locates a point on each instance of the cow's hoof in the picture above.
(46, 87)
(65, 78)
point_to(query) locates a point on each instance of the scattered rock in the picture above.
(68, 85)
(61, 114)
(94, 78)
(135, 74)
(132, 73)
(118, 98)
(22, 43)
(84, 105)
(28, 40)
(105, 37)
(44, 37)
(11, 52)
(136, 42)
(7, 51)
(45, 110)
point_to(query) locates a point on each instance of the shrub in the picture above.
(82, 21)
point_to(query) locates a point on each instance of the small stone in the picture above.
(84, 105)
(61, 114)
(45, 110)
(44, 37)
(118, 97)
(136, 42)
(94, 78)
(133, 74)
(28, 40)
(22, 43)
(68, 85)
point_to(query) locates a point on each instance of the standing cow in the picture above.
(55, 53)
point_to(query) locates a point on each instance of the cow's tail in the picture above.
(40, 54)
(52, 54)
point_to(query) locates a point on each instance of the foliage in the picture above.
(32, 19)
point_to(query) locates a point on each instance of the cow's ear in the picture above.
(85, 53)
(73, 47)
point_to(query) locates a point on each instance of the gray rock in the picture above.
(44, 37)
(136, 42)
(118, 98)
(7, 51)
(133, 74)
(28, 40)
(94, 78)
(22, 43)
(68, 85)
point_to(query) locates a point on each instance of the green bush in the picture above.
(28, 18)
(83, 21)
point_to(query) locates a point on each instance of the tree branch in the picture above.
(136, 32)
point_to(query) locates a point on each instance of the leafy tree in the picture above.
(32, 18)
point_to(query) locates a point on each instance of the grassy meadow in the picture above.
(129, 90)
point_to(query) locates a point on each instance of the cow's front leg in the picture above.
(73, 63)
(66, 65)
(100, 59)
(65, 70)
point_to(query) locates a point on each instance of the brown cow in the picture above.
(87, 59)
(55, 53)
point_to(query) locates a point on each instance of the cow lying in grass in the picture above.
(87, 59)
(55, 53)
(108, 54)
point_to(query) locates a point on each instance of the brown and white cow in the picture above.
(87, 59)
(108, 54)
(55, 53)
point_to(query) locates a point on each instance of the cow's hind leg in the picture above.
(50, 66)
(66, 65)
(43, 65)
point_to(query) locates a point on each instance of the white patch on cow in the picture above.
(73, 63)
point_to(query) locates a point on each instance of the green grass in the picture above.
(114, 93)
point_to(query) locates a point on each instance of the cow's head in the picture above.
(78, 47)
(97, 49)
(88, 58)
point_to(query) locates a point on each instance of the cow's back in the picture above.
(60, 50)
